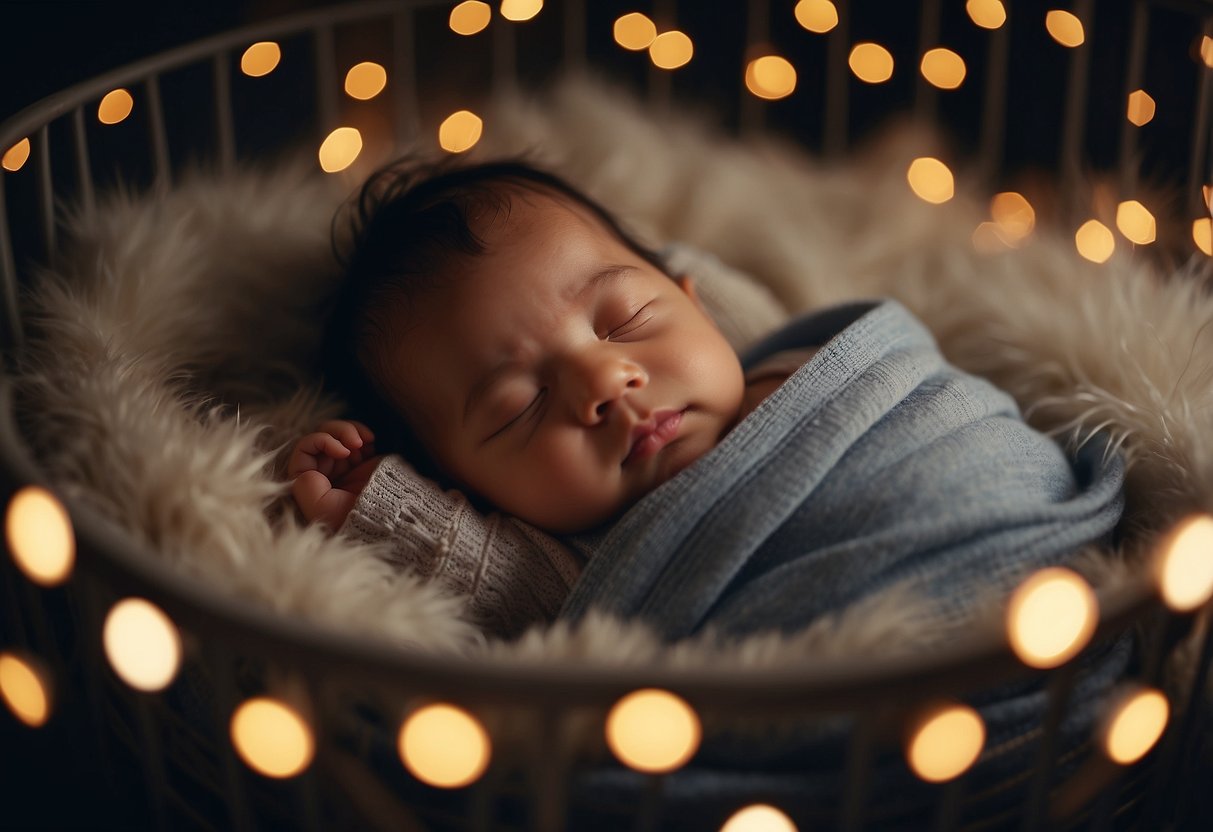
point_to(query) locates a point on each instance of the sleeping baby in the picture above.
(499, 330)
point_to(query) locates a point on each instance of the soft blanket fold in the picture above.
(876, 463)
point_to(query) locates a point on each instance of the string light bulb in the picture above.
(819, 16)
(1184, 566)
(653, 731)
(671, 50)
(39, 536)
(931, 180)
(946, 739)
(272, 738)
(1202, 235)
(943, 68)
(1051, 617)
(1013, 214)
(758, 817)
(1134, 724)
(142, 644)
(1135, 222)
(260, 59)
(340, 149)
(1065, 28)
(16, 156)
(470, 17)
(770, 77)
(444, 746)
(520, 10)
(988, 14)
(871, 62)
(460, 131)
(366, 80)
(115, 106)
(24, 689)
(1094, 241)
(1206, 51)
(1141, 108)
(634, 31)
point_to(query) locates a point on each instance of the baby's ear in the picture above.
(688, 286)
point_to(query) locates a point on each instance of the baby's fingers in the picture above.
(316, 452)
(352, 434)
(309, 489)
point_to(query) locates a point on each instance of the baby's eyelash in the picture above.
(630, 325)
(531, 409)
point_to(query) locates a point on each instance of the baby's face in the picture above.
(561, 376)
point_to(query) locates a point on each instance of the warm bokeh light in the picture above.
(470, 17)
(39, 535)
(142, 644)
(115, 107)
(652, 731)
(1051, 617)
(988, 14)
(340, 149)
(818, 16)
(1134, 725)
(16, 156)
(519, 10)
(460, 131)
(1094, 241)
(24, 691)
(260, 59)
(1184, 569)
(758, 817)
(770, 77)
(1207, 193)
(272, 738)
(988, 238)
(1065, 28)
(930, 180)
(1141, 108)
(366, 80)
(943, 68)
(671, 49)
(1202, 235)
(1206, 51)
(1136, 222)
(945, 742)
(444, 746)
(871, 62)
(635, 31)
(1013, 214)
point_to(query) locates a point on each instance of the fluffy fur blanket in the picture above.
(170, 350)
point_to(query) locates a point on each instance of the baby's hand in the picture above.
(330, 468)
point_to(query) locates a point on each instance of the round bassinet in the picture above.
(179, 651)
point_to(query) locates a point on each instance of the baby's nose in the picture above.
(605, 383)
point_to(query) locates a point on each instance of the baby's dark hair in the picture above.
(398, 236)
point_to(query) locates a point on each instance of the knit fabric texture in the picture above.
(511, 574)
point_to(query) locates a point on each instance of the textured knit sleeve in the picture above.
(513, 574)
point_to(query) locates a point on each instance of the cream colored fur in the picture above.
(171, 363)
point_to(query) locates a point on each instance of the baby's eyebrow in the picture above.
(604, 275)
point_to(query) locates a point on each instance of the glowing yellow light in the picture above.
(988, 238)
(1141, 107)
(142, 645)
(1065, 28)
(770, 77)
(930, 180)
(871, 63)
(470, 17)
(1207, 193)
(1135, 222)
(671, 49)
(340, 149)
(1013, 214)
(943, 68)
(1184, 569)
(946, 741)
(1051, 617)
(39, 535)
(635, 31)
(1094, 241)
(272, 738)
(758, 818)
(115, 107)
(23, 691)
(988, 14)
(1135, 726)
(444, 746)
(1202, 235)
(460, 131)
(653, 731)
(16, 156)
(1206, 51)
(519, 10)
(366, 80)
(818, 16)
(260, 59)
